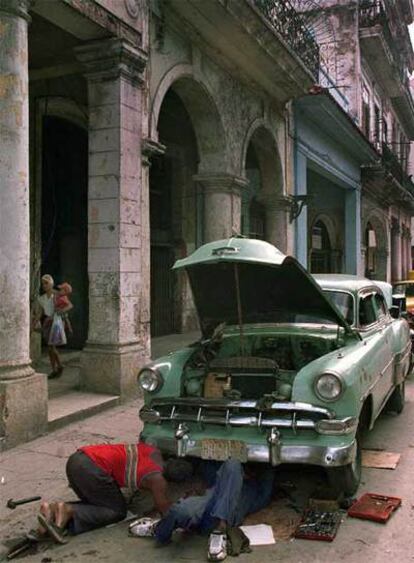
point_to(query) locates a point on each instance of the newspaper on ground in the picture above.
(260, 534)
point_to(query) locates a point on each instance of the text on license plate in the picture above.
(221, 450)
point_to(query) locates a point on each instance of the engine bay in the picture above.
(254, 367)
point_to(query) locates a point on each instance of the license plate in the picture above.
(221, 450)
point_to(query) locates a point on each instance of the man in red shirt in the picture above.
(102, 476)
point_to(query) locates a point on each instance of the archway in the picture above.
(376, 248)
(253, 220)
(321, 247)
(64, 203)
(370, 251)
(173, 212)
(190, 128)
(263, 213)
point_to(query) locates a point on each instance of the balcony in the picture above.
(378, 47)
(290, 25)
(385, 60)
(393, 165)
(263, 41)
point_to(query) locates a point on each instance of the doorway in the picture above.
(64, 223)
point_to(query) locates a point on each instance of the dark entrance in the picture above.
(171, 186)
(253, 219)
(64, 215)
(321, 249)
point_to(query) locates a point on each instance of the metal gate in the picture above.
(162, 290)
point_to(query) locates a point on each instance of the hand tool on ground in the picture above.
(13, 503)
(20, 548)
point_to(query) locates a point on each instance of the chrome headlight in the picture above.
(150, 379)
(328, 387)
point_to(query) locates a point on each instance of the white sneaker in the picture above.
(217, 546)
(143, 527)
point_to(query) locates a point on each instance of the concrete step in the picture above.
(77, 405)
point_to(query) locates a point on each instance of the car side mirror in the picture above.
(395, 312)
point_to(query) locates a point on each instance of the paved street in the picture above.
(38, 468)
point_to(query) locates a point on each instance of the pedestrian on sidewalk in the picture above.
(237, 492)
(103, 476)
(53, 331)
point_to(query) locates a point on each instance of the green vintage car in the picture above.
(290, 368)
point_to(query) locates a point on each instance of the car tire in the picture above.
(345, 480)
(397, 399)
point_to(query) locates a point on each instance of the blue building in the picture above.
(329, 153)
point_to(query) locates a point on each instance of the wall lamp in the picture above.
(297, 202)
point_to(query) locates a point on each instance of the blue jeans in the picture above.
(231, 499)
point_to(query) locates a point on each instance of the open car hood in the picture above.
(251, 281)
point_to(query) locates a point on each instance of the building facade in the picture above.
(148, 129)
(369, 65)
(152, 127)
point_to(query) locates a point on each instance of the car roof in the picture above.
(345, 282)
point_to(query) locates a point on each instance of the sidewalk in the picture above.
(67, 403)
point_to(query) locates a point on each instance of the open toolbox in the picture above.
(318, 525)
(372, 506)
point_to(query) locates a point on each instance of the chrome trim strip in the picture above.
(323, 456)
(218, 404)
(149, 415)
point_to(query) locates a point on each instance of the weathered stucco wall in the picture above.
(235, 106)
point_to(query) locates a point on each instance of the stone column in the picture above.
(407, 251)
(403, 253)
(301, 231)
(118, 339)
(395, 250)
(23, 394)
(353, 261)
(277, 216)
(222, 205)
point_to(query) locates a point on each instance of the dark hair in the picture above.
(177, 470)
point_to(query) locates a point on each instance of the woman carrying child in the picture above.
(54, 305)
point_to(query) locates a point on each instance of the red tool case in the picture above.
(372, 506)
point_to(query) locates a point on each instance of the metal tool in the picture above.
(12, 504)
(20, 548)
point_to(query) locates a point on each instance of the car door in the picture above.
(375, 329)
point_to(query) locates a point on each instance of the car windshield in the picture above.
(406, 289)
(344, 302)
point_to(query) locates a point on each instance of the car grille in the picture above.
(224, 412)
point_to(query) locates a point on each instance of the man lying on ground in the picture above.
(235, 494)
(102, 476)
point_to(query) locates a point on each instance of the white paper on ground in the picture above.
(261, 534)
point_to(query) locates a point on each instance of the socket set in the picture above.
(318, 525)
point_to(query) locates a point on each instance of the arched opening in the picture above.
(375, 241)
(262, 215)
(173, 213)
(253, 220)
(64, 204)
(320, 256)
(370, 252)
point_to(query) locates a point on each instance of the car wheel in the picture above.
(397, 399)
(346, 479)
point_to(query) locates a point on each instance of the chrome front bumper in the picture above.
(274, 452)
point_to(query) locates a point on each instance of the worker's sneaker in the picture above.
(143, 527)
(217, 546)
